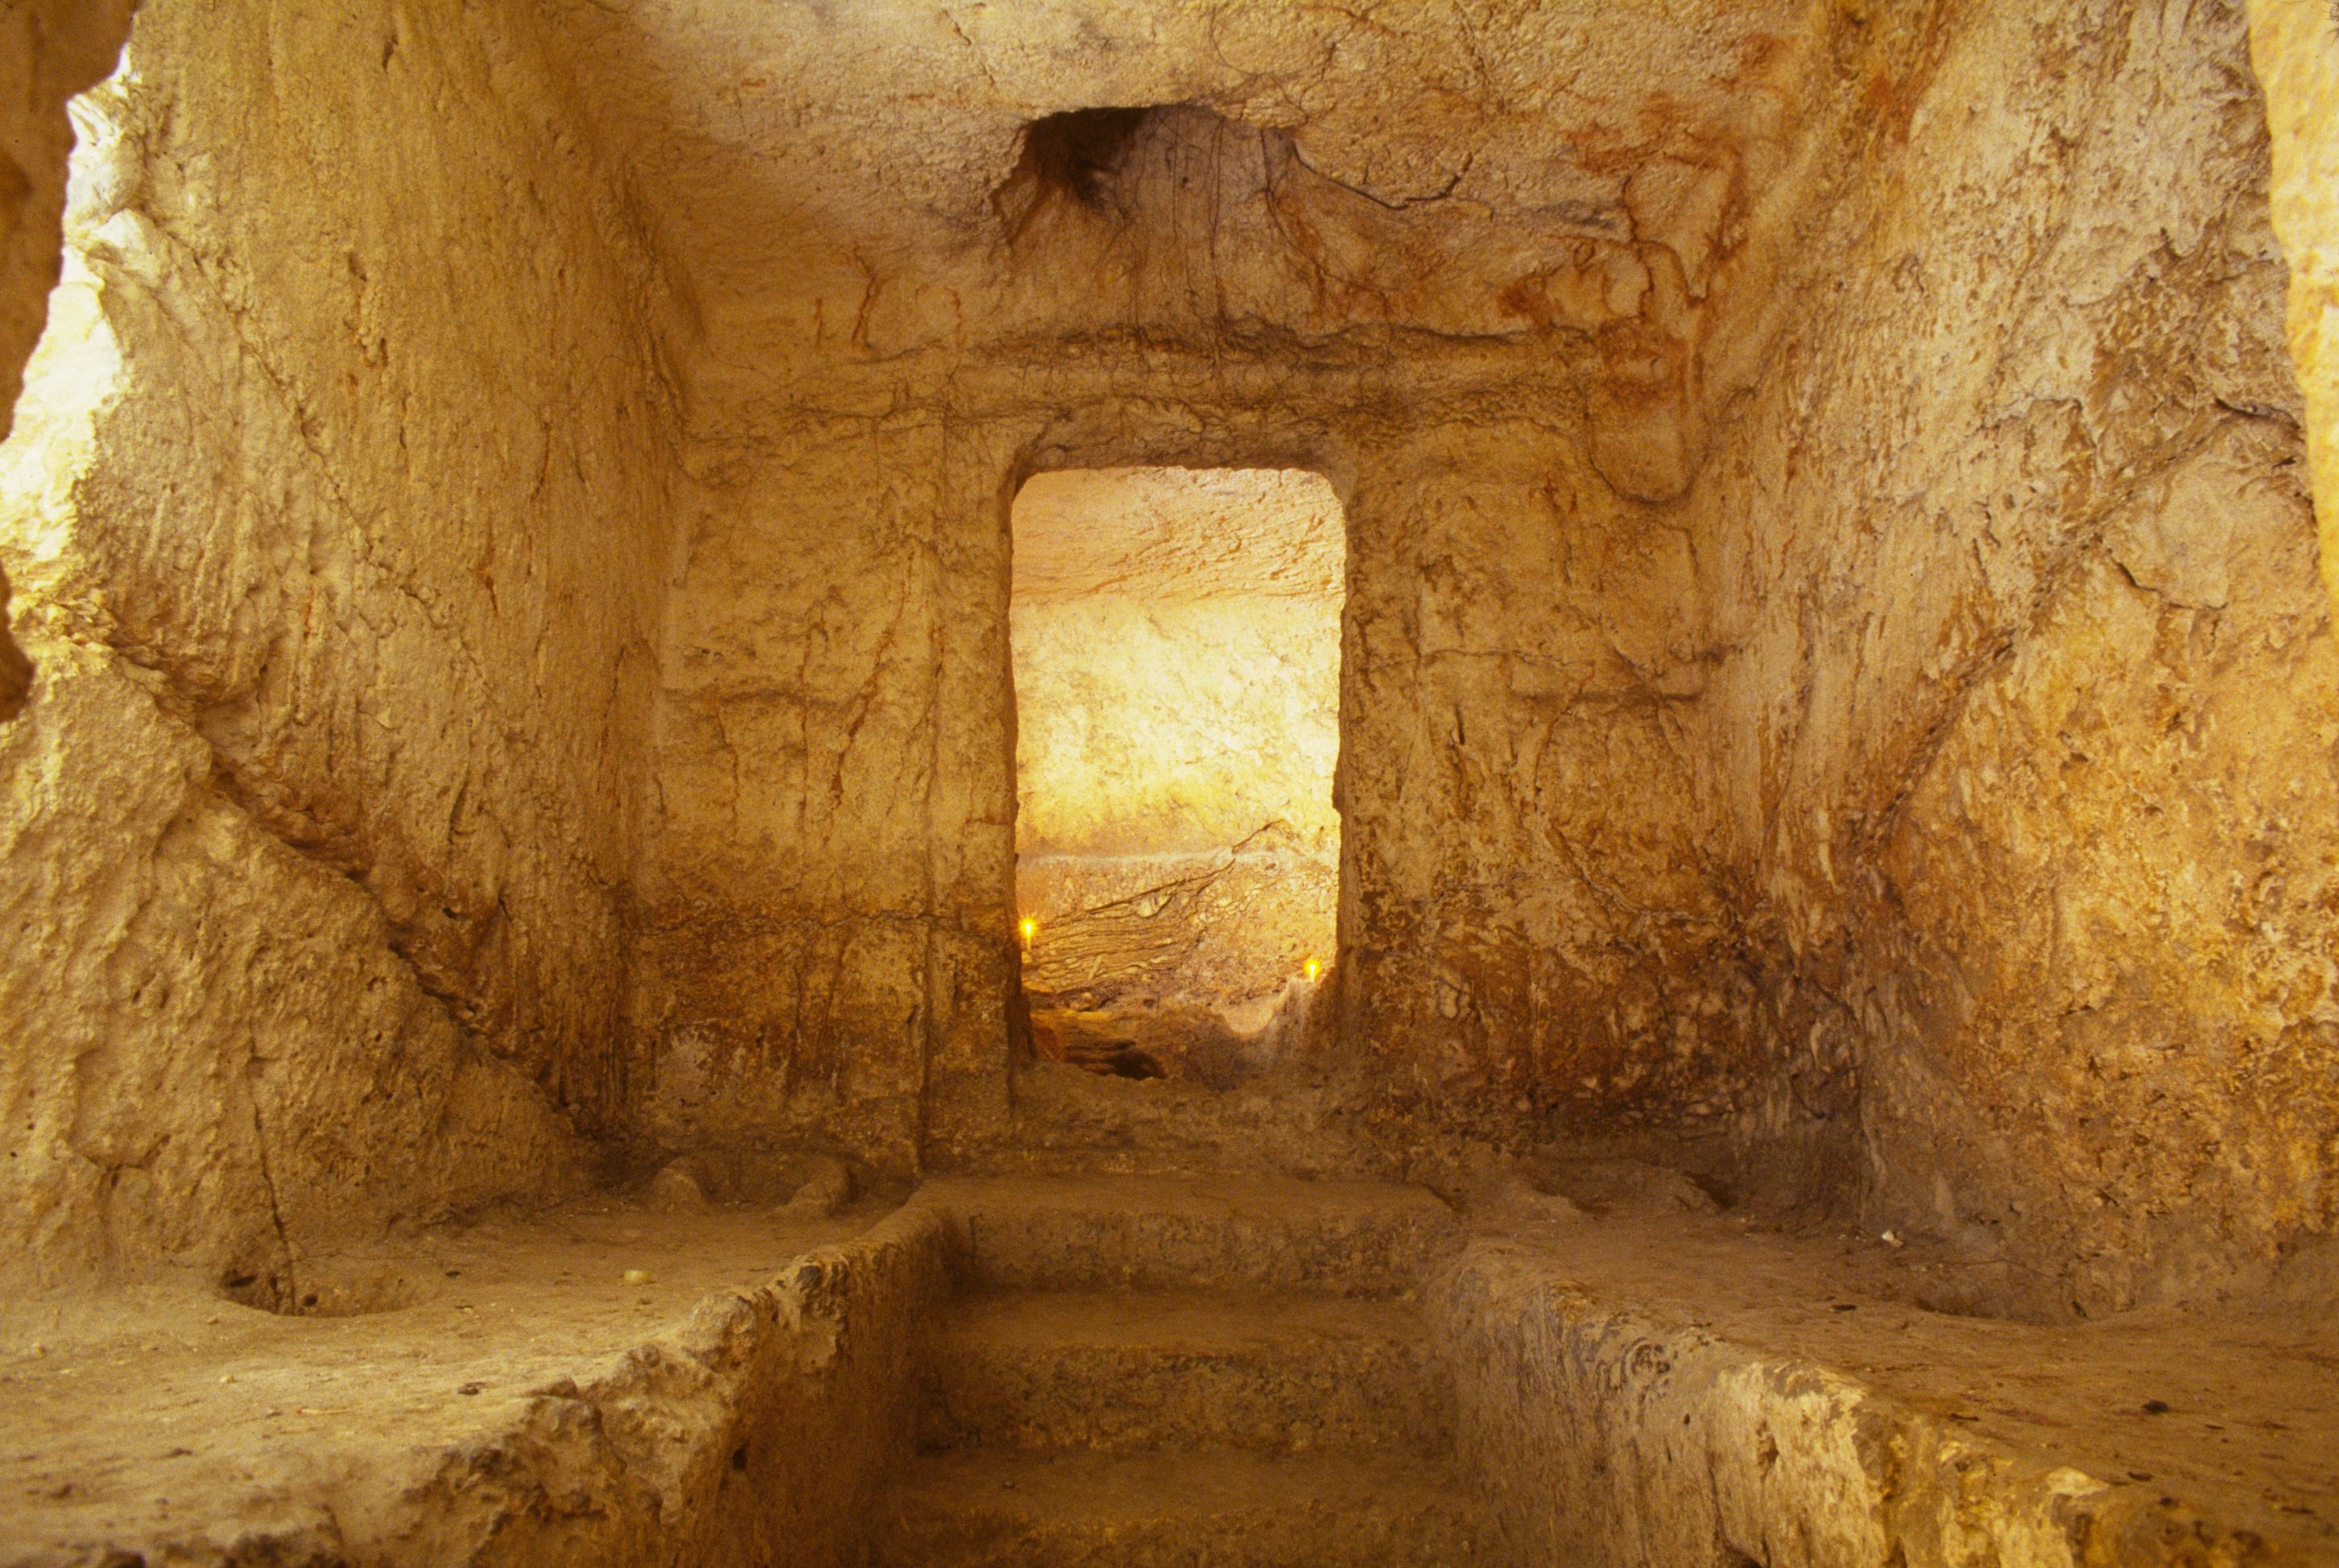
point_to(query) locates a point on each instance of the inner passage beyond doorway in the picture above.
(1176, 658)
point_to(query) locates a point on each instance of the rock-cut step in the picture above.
(1114, 1372)
(993, 1508)
(1149, 1233)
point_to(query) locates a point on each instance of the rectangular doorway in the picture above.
(1176, 637)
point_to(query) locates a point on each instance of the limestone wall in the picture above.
(793, 895)
(1827, 650)
(1527, 930)
(2023, 743)
(1502, 360)
(1537, 945)
(338, 513)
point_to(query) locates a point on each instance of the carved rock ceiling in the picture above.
(809, 148)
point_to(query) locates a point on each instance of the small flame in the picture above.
(1315, 968)
(1031, 929)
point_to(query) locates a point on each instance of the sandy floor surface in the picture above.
(144, 1411)
(153, 1413)
(2233, 1408)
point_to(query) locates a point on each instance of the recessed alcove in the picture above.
(1176, 639)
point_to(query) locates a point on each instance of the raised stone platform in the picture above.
(1133, 1370)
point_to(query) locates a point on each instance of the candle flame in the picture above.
(1313, 969)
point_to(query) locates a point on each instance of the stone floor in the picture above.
(2201, 1428)
(2232, 1407)
(1148, 1372)
(1109, 1330)
(174, 1416)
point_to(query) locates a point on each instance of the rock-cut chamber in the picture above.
(1177, 664)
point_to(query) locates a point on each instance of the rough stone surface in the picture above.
(515, 516)
(1354, 1239)
(1114, 1372)
(2021, 733)
(519, 1404)
(679, 1187)
(1717, 570)
(1160, 1511)
(1826, 520)
(1581, 1411)
(2173, 1428)
(1344, 246)
(1235, 1395)
(336, 511)
(826, 1190)
(187, 1079)
(1636, 1383)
